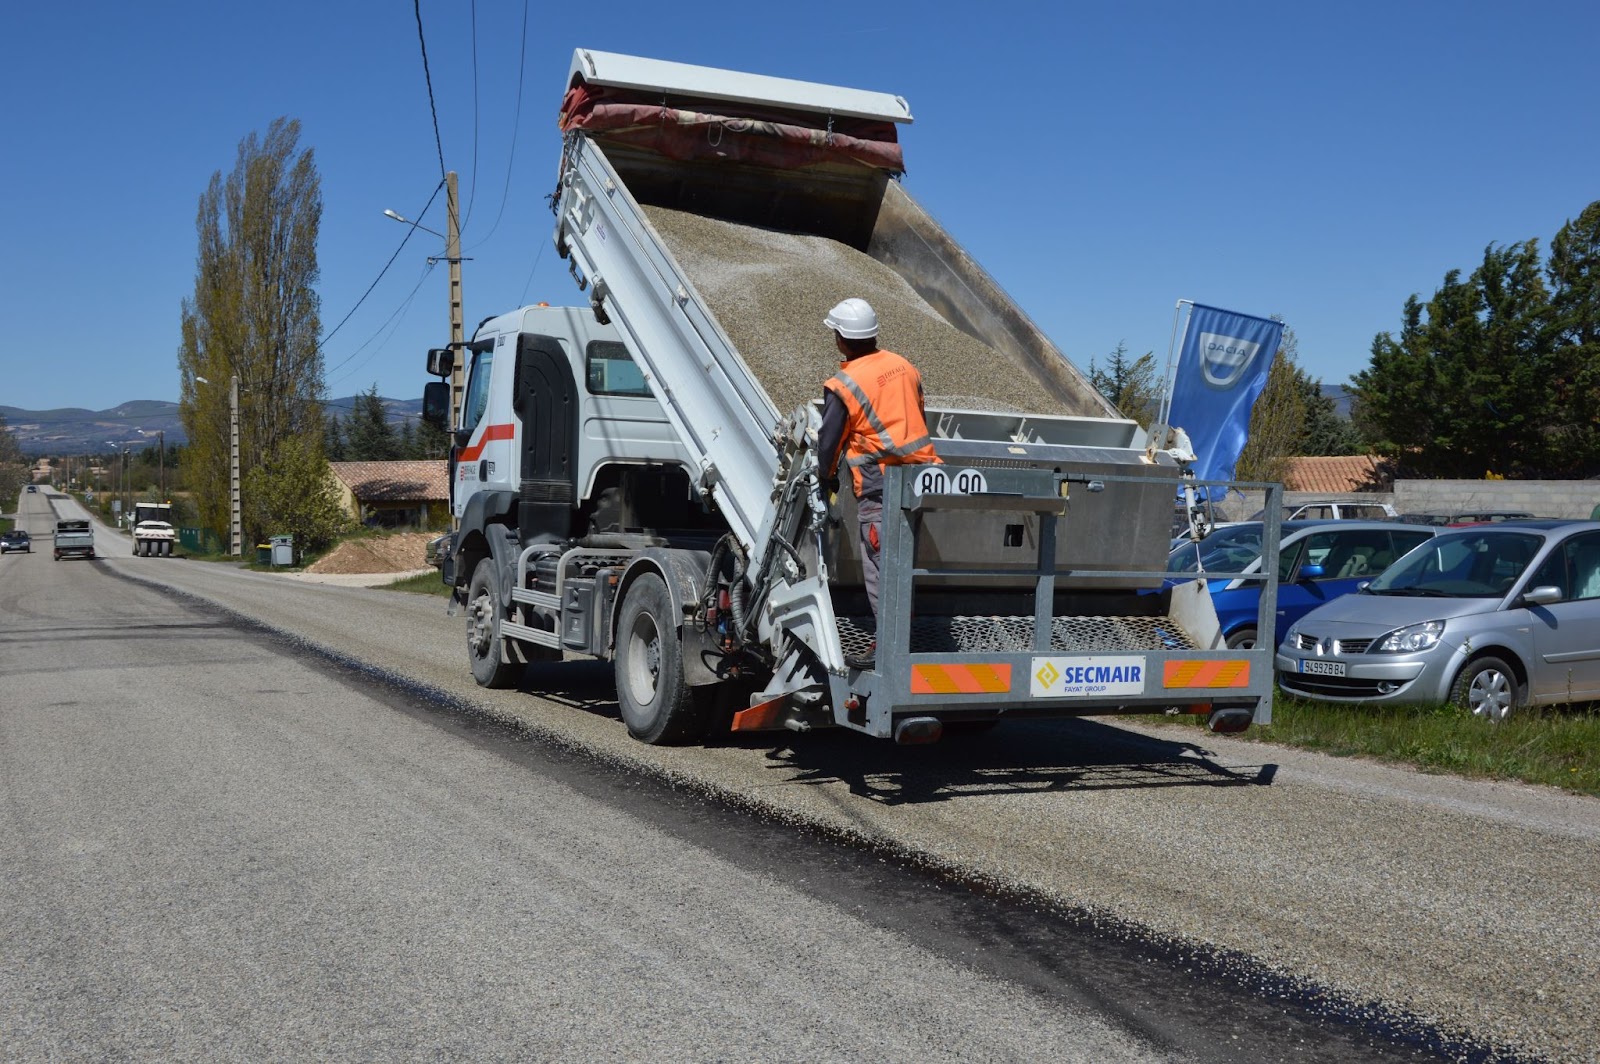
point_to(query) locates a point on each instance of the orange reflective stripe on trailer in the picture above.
(960, 679)
(1206, 674)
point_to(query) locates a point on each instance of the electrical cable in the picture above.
(416, 5)
(516, 126)
(324, 341)
(472, 189)
(394, 318)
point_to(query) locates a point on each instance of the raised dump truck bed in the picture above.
(713, 217)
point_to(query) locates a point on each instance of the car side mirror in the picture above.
(1543, 595)
(1310, 572)
(436, 404)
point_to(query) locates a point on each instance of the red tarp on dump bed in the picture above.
(766, 141)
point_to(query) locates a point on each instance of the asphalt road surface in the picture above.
(246, 817)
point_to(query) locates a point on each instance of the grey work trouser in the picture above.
(869, 518)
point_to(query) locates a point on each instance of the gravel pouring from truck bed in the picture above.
(1475, 906)
(770, 291)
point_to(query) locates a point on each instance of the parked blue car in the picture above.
(1317, 561)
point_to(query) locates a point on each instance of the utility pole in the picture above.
(235, 533)
(452, 253)
(162, 435)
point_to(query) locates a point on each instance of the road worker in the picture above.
(872, 416)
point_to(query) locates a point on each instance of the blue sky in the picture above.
(1321, 162)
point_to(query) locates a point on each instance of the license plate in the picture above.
(1322, 668)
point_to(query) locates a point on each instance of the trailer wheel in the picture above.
(657, 705)
(486, 648)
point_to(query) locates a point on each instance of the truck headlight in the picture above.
(1411, 639)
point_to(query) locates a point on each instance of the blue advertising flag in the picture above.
(1222, 368)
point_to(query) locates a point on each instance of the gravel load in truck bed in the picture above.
(770, 290)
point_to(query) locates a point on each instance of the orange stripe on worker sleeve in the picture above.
(960, 679)
(1206, 674)
(493, 432)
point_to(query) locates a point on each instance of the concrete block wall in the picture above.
(1542, 498)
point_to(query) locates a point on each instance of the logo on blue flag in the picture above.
(1222, 368)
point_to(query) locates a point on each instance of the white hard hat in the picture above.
(854, 319)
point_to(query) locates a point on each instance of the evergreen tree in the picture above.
(1130, 385)
(1574, 274)
(333, 440)
(254, 315)
(407, 443)
(368, 435)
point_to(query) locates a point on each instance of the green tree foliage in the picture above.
(1132, 385)
(333, 440)
(368, 435)
(14, 468)
(296, 496)
(1574, 274)
(1498, 372)
(254, 315)
(1277, 421)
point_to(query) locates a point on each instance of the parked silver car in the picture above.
(1492, 617)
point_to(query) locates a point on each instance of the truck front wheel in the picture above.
(485, 646)
(657, 705)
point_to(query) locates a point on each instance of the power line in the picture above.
(472, 190)
(324, 341)
(516, 126)
(396, 318)
(416, 5)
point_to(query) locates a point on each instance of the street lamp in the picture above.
(116, 482)
(235, 531)
(415, 225)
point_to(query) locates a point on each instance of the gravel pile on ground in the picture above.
(399, 553)
(770, 291)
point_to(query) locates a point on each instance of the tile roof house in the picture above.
(392, 494)
(1332, 475)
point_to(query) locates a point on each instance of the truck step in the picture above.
(1014, 635)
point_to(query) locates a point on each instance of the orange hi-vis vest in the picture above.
(882, 395)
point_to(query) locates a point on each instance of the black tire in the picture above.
(1488, 688)
(491, 665)
(1243, 639)
(657, 705)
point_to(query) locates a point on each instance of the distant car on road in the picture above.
(1317, 561)
(16, 540)
(33, 487)
(1492, 617)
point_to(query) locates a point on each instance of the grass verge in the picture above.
(1557, 746)
(427, 583)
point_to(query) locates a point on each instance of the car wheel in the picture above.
(1488, 688)
(485, 645)
(656, 703)
(1243, 639)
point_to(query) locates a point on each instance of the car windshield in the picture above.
(1471, 565)
(1227, 550)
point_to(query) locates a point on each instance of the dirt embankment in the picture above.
(399, 553)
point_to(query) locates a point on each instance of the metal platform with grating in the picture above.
(1014, 635)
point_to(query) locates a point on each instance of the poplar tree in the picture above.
(254, 315)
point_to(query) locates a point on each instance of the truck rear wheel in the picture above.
(486, 648)
(657, 705)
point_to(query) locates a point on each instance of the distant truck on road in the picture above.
(153, 534)
(74, 536)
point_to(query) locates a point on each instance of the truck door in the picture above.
(487, 458)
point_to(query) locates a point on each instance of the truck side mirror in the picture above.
(441, 361)
(436, 403)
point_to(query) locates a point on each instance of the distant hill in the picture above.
(73, 430)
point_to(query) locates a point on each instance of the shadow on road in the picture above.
(1021, 757)
(1016, 757)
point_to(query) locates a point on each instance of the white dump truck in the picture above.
(153, 534)
(637, 479)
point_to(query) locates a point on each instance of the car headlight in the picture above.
(1411, 638)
